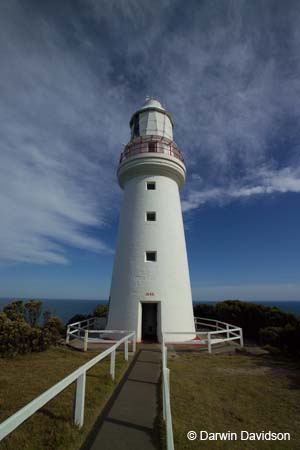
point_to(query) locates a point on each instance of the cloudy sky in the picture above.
(73, 72)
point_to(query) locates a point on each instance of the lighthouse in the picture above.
(150, 289)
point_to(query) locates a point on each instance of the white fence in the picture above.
(222, 332)
(166, 399)
(79, 376)
(86, 331)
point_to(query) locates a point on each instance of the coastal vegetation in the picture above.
(267, 325)
(99, 311)
(20, 331)
(24, 328)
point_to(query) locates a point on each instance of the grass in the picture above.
(51, 428)
(235, 392)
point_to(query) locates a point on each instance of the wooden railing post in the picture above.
(126, 350)
(209, 343)
(85, 342)
(112, 364)
(134, 343)
(164, 394)
(241, 338)
(68, 335)
(227, 329)
(166, 356)
(79, 400)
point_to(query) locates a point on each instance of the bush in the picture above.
(55, 328)
(17, 336)
(78, 318)
(32, 312)
(267, 324)
(14, 310)
(203, 310)
(270, 336)
(286, 338)
(100, 311)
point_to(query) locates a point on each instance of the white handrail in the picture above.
(167, 415)
(79, 375)
(78, 330)
(232, 333)
(228, 330)
(210, 320)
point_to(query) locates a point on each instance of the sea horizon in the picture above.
(65, 309)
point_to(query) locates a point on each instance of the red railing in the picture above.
(151, 145)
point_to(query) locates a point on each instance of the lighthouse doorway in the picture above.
(149, 322)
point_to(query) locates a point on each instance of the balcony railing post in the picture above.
(112, 364)
(158, 146)
(209, 343)
(227, 328)
(79, 400)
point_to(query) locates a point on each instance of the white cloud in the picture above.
(57, 119)
(264, 181)
(227, 73)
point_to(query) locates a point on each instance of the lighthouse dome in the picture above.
(152, 103)
(151, 120)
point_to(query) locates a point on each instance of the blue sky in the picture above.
(73, 72)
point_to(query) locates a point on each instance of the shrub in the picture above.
(203, 310)
(78, 318)
(32, 310)
(14, 310)
(17, 336)
(100, 311)
(267, 324)
(55, 328)
(286, 338)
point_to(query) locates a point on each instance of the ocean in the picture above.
(66, 308)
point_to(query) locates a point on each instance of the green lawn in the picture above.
(51, 428)
(218, 393)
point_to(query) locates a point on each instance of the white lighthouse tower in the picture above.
(150, 289)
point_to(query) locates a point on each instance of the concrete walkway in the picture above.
(129, 421)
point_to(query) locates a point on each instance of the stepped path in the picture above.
(130, 419)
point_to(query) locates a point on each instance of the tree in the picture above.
(55, 328)
(46, 316)
(100, 311)
(33, 310)
(14, 310)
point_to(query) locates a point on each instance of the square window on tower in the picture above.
(151, 186)
(151, 216)
(151, 256)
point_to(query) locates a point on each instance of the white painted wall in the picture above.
(168, 278)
